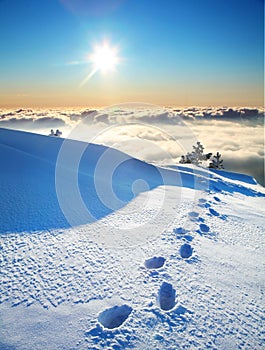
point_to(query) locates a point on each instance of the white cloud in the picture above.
(157, 134)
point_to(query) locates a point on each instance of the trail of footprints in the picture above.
(110, 318)
(114, 317)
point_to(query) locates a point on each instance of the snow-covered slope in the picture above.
(103, 251)
(36, 170)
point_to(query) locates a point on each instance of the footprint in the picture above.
(166, 296)
(180, 231)
(193, 214)
(204, 228)
(115, 316)
(202, 200)
(203, 203)
(155, 262)
(217, 199)
(186, 251)
(213, 212)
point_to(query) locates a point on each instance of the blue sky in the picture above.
(194, 52)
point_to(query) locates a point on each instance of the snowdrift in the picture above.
(35, 172)
(185, 270)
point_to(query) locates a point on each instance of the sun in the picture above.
(104, 58)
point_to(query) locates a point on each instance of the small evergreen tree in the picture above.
(196, 156)
(216, 162)
(184, 160)
(58, 133)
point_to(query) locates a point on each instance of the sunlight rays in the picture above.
(104, 58)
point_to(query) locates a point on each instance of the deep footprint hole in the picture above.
(213, 212)
(204, 228)
(180, 231)
(186, 251)
(155, 262)
(167, 296)
(202, 200)
(193, 214)
(115, 316)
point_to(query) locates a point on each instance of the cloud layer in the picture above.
(157, 134)
(128, 113)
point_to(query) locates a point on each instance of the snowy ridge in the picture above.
(31, 204)
(176, 262)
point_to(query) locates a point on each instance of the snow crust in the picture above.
(101, 283)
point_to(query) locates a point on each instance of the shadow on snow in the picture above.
(41, 181)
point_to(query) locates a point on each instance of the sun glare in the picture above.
(104, 58)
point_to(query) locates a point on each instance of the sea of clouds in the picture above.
(156, 134)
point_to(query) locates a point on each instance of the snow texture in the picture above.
(31, 203)
(85, 286)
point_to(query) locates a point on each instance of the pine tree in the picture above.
(216, 162)
(183, 160)
(196, 156)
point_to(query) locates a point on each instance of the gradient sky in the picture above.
(174, 52)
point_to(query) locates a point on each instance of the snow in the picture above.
(114, 277)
